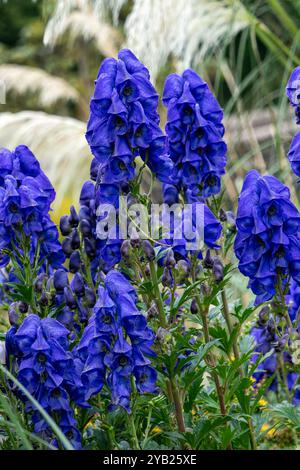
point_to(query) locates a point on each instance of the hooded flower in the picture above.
(116, 344)
(195, 135)
(267, 243)
(124, 121)
(293, 92)
(46, 368)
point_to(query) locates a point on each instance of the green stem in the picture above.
(283, 17)
(158, 298)
(135, 441)
(236, 353)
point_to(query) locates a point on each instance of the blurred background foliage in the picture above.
(50, 51)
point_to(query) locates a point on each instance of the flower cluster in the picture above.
(195, 136)
(267, 243)
(293, 92)
(25, 198)
(47, 370)
(116, 343)
(192, 231)
(124, 121)
(266, 339)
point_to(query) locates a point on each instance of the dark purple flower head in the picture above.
(267, 242)
(124, 121)
(293, 92)
(294, 154)
(195, 134)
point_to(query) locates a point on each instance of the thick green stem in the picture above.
(158, 299)
(172, 386)
(227, 317)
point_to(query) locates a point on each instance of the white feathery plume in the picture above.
(21, 80)
(59, 144)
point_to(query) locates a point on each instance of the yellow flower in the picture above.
(262, 402)
(266, 428)
(156, 429)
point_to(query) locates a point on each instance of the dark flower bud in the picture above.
(271, 326)
(73, 217)
(208, 260)
(152, 312)
(166, 278)
(205, 289)
(183, 270)
(40, 282)
(23, 307)
(125, 249)
(90, 297)
(69, 298)
(87, 193)
(218, 269)
(75, 262)
(194, 307)
(82, 314)
(281, 343)
(90, 247)
(94, 169)
(14, 314)
(222, 215)
(75, 239)
(64, 225)
(60, 280)
(147, 270)
(135, 240)
(231, 219)
(77, 285)
(85, 228)
(67, 246)
(148, 250)
(263, 315)
(170, 259)
(43, 301)
(84, 213)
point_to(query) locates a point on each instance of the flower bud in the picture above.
(218, 269)
(75, 239)
(208, 260)
(231, 219)
(85, 228)
(69, 298)
(44, 301)
(14, 314)
(148, 250)
(23, 307)
(152, 312)
(263, 315)
(60, 280)
(67, 246)
(40, 282)
(222, 215)
(125, 249)
(84, 213)
(90, 297)
(183, 270)
(64, 225)
(166, 278)
(77, 285)
(73, 217)
(75, 262)
(194, 307)
(90, 247)
(161, 334)
(170, 259)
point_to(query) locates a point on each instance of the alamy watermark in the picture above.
(159, 222)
